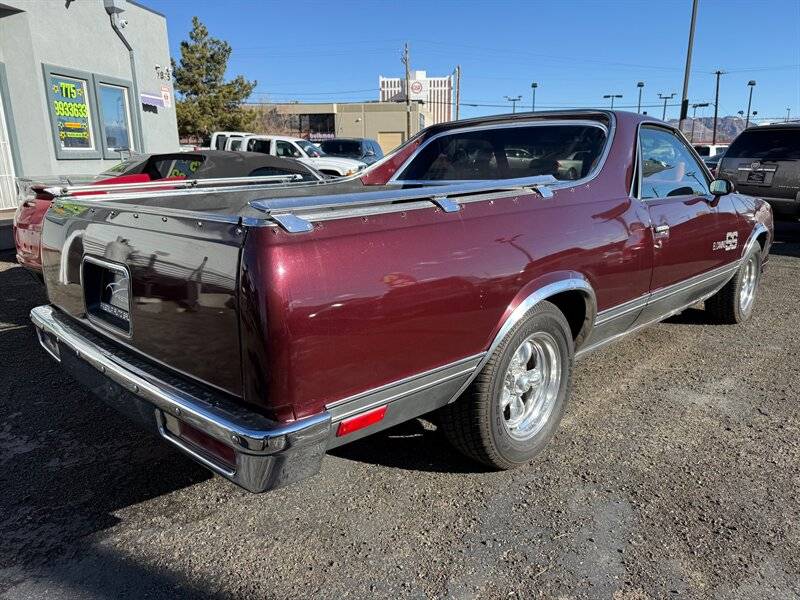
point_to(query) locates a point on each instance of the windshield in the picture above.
(312, 150)
(126, 166)
(349, 148)
(766, 144)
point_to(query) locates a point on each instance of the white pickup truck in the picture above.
(303, 151)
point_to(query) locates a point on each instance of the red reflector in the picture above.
(360, 421)
(211, 445)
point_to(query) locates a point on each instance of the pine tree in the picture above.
(206, 102)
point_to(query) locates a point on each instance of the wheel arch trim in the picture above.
(758, 230)
(574, 282)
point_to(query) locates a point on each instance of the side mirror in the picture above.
(720, 187)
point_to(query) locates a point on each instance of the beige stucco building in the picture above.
(385, 122)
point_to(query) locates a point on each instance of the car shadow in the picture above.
(415, 445)
(68, 463)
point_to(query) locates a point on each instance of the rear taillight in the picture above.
(211, 445)
(213, 449)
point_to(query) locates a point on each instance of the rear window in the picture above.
(178, 167)
(566, 152)
(766, 144)
(342, 147)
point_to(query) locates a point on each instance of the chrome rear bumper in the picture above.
(268, 454)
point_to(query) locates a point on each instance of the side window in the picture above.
(668, 167)
(286, 149)
(261, 146)
(565, 151)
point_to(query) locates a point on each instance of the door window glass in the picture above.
(668, 167)
(286, 149)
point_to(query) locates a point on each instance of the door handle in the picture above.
(661, 229)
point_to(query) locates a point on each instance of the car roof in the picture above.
(266, 136)
(784, 125)
(225, 163)
(594, 114)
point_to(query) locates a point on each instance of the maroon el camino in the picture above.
(463, 273)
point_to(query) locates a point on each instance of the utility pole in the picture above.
(685, 97)
(640, 85)
(534, 85)
(716, 107)
(788, 112)
(612, 96)
(407, 63)
(513, 100)
(458, 92)
(694, 117)
(751, 84)
(664, 97)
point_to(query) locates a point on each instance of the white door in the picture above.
(8, 191)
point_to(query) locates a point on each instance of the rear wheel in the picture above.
(516, 402)
(734, 302)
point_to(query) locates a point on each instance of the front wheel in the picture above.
(734, 302)
(516, 402)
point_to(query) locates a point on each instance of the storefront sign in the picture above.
(71, 109)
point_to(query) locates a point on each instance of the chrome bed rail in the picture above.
(287, 211)
(173, 185)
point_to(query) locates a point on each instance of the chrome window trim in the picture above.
(534, 122)
(638, 164)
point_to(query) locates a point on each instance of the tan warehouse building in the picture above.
(385, 122)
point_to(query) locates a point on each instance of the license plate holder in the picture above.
(107, 294)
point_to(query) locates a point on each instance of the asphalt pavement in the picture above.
(675, 474)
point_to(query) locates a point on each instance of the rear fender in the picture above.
(534, 292)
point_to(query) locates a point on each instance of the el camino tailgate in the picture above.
(161, 282)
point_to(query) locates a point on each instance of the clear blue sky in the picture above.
(576, 50)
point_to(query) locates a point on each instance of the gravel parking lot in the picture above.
(676, 473)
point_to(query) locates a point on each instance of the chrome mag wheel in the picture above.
(749, 283)
(530, 386)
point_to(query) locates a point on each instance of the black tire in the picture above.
(727, 306)
(475, 423)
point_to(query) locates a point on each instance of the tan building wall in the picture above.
(384, 122)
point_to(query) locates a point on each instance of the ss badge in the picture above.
(731, 242)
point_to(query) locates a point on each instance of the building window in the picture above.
(72, 113)
(115, 117)
(91, 115)
(117, 126)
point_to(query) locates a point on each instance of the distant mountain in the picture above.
(727, 129)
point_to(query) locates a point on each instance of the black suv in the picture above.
(765, 162)
(367, 151)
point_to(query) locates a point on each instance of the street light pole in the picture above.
(640, 85)
(694, 117)
(513, 100)
(788, 112)
(716, 107)
(534, 85)
(664, 97)
(751, 84)
(685, 97)
(612, 96)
